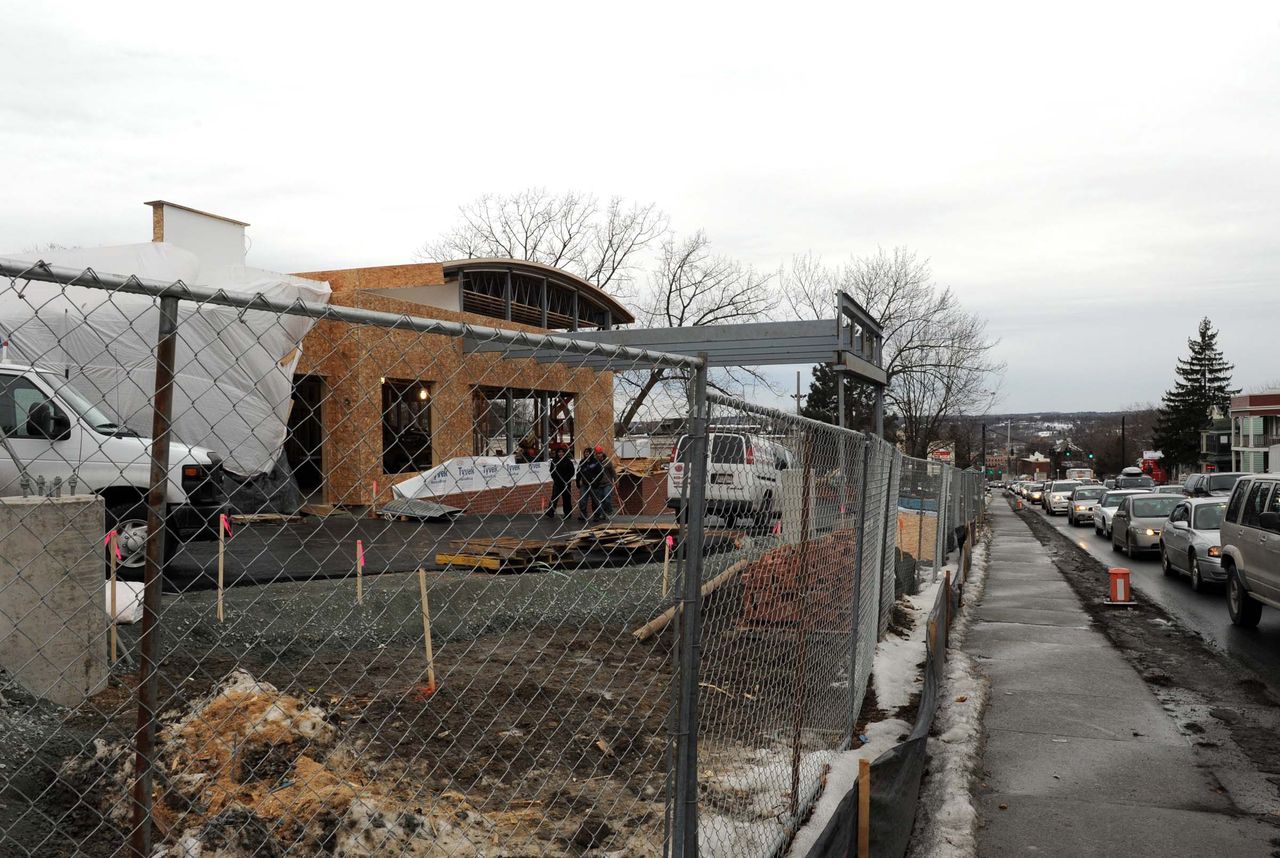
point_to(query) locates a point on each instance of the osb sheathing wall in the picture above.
(353, 358)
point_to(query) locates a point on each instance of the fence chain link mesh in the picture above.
(418, 594)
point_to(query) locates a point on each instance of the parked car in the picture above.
(1138, 522)
(1057, 495)
(1213, 485)
(743, 476)
(1106, 507)
(1083, 500)
(1134, 478)
(1189, 543)
(1251, 548)
(53, 430)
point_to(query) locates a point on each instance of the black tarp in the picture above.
(895, 774)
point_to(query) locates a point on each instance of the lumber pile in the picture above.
(773, 587)
(629, 538)
(508, 554)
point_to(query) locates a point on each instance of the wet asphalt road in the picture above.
(1205, 613)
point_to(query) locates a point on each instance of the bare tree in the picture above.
(571, 231)
(938, 357)
(691, 287)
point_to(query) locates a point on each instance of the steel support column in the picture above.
(684, 835)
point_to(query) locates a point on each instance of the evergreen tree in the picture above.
(1203, 384)
(859, 402)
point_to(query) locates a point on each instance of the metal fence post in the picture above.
(940, 537)
(857, 583)
(889, 557)
(685, 825)
(145, 733)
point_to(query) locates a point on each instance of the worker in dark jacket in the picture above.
(562, 473)
(598, 474)
(584, 485)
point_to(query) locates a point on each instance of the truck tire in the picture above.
(127, 515)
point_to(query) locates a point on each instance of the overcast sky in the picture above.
(1091, 177)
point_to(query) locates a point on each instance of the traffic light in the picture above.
(1068, 454)
(1090, 455)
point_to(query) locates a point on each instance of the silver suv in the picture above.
(1251, 548)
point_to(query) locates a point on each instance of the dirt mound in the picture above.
(249, 771)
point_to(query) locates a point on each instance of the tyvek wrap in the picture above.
(234, 369)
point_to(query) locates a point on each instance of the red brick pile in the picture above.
(773, 586)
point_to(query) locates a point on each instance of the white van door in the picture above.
(28, 418)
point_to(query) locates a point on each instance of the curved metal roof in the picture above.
(620, 314)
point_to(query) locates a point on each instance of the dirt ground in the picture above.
(556, 737)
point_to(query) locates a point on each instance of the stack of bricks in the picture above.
(773, 586)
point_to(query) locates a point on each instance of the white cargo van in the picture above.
(53, 431)
(743, 475)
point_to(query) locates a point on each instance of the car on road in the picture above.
(1034, 491)
(1171, 489)
(1057, 495)
(1134, 478)
(1106, 507)
(1251, 548)
(1139, 520)
(1083, 500)
(1109, 483)
(1190, 542)
(1211, 485)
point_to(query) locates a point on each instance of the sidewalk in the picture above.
(1080, 758)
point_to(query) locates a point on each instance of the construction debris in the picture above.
(508, 554)
(249, 771)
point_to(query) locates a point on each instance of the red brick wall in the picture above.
(641, 495)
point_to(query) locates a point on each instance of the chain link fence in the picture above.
(385, 584)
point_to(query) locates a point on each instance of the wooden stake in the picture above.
(666, 565)
(426, 631)
(112, 548)
(664, 619)
(222, 548)
(864, 808)
(359, 572)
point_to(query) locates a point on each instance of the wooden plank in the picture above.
(493, 563)
(864, 808)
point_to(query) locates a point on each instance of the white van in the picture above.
(744, 473)
(54, 431)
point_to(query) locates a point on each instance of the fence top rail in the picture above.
(133, 285)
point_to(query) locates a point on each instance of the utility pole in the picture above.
(796, 396)
(1124, 454)
(984, 451)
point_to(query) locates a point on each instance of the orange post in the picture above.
(1120, 591)
(864, 808)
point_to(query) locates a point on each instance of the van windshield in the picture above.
(725, 450)
(84, 409)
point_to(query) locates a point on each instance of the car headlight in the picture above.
(1081, 507)
(1151, 532)
(1214, 551)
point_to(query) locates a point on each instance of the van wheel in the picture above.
(1244, 610)
(128, 518)
(764, 512)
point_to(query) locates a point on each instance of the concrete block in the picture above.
(52, 621)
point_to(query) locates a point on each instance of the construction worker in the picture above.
(600, 475)
(562, 473)
(584, 486)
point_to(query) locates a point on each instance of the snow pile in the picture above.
(747, 794)
(895, 673)
(881, 736)
(947, 820)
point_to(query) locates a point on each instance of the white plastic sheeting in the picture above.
(471, 474)
(234, 369)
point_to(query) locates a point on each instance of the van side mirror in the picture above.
(45, 421)
(1270, 520)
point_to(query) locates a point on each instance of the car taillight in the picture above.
(751, 455)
